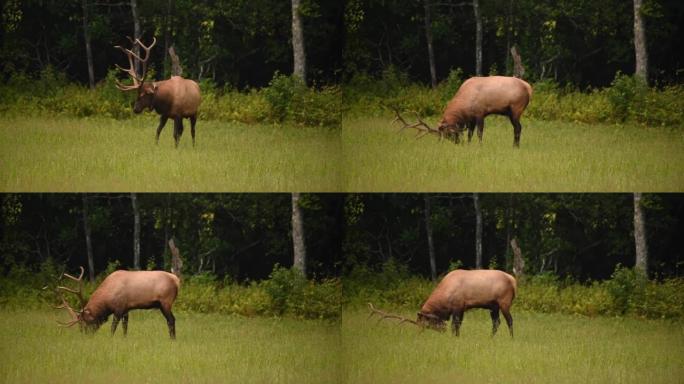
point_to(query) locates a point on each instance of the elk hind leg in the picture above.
(162, 123)
(193, 120)
(517, 128)
(177, 129)
(494, 312)
(170, 320)
(124, 323)
(480, 128)
(115, 323)
(509, 319)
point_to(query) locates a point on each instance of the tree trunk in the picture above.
(176, 69)
(640, 42)
(298, 42)
(167, 38)
(428, 37)
(89, 244)
(176, 261)
(518, 261)
(298, 239)
(509, 27)
(478, 37)
(136, 33)
(478, 231)
(640, 236)
(518, 69)
(428, 229)
(509, 225)
(136, 231)
(89, 52)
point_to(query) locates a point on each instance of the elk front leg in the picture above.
(115, 322)
(162, 122)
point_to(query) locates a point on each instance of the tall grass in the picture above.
(79, 155)
(209, 349)
(546, 349)
(553, 156)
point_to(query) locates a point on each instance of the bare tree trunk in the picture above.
(89, 52)
(428, 229)
(298, 239)
(136, 231)
(509, 27)
(428, 37)
(518, 261)
(89, 244)
(298, 42)
(176, 69)
(640, 42)
(167, 37)
(176, 261)
(478, 37)
(640, 236)
(136, 33)
(518, 69)
(478, 231)
(509, 218)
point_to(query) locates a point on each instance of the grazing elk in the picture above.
(477, 98)
(119, 293)
(176, 98)
(459, 291)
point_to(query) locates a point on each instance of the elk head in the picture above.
(431, 321)
(442, 130)
(81, 316)
(145, 91)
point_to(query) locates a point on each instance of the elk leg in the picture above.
(124, 323)
(509, 319)
(494, 312)
(170, 321)
(456, 320)
(177, 129)
(162, 123)
(517, 128)
(115, 322)
(480, 129)
(193, 120)
(471, 129)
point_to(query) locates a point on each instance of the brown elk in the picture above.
(477, 98)
(459, 291)
(119, 293)
(176, 98)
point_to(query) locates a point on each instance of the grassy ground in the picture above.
(209, 349)
(81, 155)
(553, 157)
(546, 349)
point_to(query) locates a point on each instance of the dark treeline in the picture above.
(242, 43)
(235, 42)
(242, 236)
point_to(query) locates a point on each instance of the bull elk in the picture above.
(176, 98)
(119, 293)
(477, 98)
(459, 291)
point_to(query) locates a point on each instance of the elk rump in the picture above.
(461, 290)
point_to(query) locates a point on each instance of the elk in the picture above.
(477, 98)
(119, 293)
(176, 98)
(459, 291)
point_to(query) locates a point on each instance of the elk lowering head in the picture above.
(121, 292)
(477, 98)
(145, 91)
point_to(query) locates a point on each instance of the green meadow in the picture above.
(85, 155)
(553, 156)
(209, 349)
(547, 348)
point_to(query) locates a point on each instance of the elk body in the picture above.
(121, 292)
(176, 98)
(477, 98)
(461, 290)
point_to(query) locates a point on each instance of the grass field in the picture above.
(546, 349)
(553, 157)
(208, 349)
(81, 155)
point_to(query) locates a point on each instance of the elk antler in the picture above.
(420, 125)
(137, 80)
(78, 293)
(74, 315)
(384, 315)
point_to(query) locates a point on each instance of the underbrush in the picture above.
(286, 293)
(628, 99)
(286, 99)
(627, 293)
